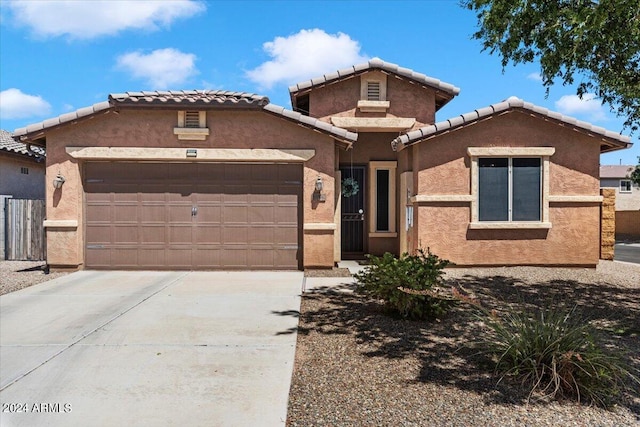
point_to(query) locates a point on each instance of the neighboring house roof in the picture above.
(375, 64)
(612, 140)
(8, 144)
(200, 99)
(615, 171)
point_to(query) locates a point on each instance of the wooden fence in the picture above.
(627, 224)
(24, 233)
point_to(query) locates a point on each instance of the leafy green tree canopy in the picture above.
(599, 40)
(635, 174)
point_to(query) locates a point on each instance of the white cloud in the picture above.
(161, 68)
(535, 76)
(588, 106)
(90, 19)
(305, 55)
(14, 104)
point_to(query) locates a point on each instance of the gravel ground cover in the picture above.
(15, 275)
(357, 367)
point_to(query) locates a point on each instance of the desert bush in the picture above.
(556, 354)
(408, 284)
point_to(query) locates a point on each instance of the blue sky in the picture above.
(56, 57)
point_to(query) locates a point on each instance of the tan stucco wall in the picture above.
(19, 185)
(405, 100)
(228, 129)
(573, 240)
(444, 169)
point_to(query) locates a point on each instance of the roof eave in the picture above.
(468, 119)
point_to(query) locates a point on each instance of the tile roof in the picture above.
(7, 143)
(615, 171)
(376, 64)
(620, 141)
(188, 99)
(338, 133)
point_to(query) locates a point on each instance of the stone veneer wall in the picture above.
(607, 223)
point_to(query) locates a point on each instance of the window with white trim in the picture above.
(510, 187)
(382, 198)
(625, 186)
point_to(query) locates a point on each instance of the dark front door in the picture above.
(353, 212)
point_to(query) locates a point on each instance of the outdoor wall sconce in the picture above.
(317, 194)
(58, 181)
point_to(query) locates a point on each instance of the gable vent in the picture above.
(192, 119)
(373, 91)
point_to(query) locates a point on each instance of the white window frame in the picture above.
(374, 167)
(510, 152)
(191, 133)
(629, 185)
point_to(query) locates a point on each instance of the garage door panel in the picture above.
(286, 214)
(289, 172)
(261, 257)
(141, 216)
(207, 257)
(263, 235)
(180, 256)
(236, 194)
(180, 234)
(209, 193)
(261, 214)
(235, 234)
(233, 214)
(153, 233)
(209, 214)
(126, 234)
(124, 213)
(124, 194)
(208, 234)
(99, 212)
(101, 234)
(151, 257)
(153, 213)
(285, 235)
(234, 257)
(179, 213)
(125, 257)
(287, 258)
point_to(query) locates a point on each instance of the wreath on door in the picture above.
(350, 187)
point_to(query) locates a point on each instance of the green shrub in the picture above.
(408, 284)
(556, 354)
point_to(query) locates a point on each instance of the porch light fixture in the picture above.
(317, 194)
(58, 181)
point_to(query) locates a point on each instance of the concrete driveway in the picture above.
(627, 252)
(149, 349)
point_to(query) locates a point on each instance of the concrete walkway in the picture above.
(150, 349)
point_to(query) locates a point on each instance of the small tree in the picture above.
(635, 174)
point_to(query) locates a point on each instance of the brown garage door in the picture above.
(192, 216)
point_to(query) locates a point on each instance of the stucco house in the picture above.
(214, 179)
(22, 169)
(627, 193)
(627, 207)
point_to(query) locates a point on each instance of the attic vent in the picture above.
(192, 119)
(373, 91)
